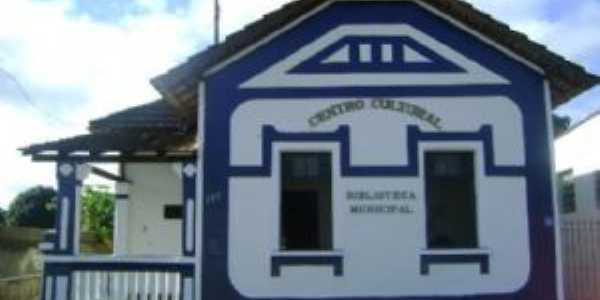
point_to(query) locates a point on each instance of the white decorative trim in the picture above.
(122, 188)
(77, 221)
(46, 246)
(387, 53)
(83, 171)
(456, 251)
(189, 225)
(199, 189)
(49, 284)
(120, 259)
(319, 253)
(441, 14)
(278, 75)
(177, 167)
(411, 55)
(64, 223)
(555, 205)
(340, 56)
(188, 289)
(121, 221)
(65, 169)
(249, 151)
(189, 170)
(62, 286)
(365, 53)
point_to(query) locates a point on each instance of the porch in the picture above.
(154, 249)
(118, 277)
(154, 234)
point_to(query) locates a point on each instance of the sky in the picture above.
(64, 62)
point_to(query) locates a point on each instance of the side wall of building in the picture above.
(154, 186)
(578, 152)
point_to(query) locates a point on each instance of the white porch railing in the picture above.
(99, 285)
(118, 278)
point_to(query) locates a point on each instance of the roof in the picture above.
(567, 79)
(153, 130)
(168, 124)
(158, 114)
(117, 146)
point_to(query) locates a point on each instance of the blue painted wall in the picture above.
(224, 95)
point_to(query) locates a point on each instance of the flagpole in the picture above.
(217, 22)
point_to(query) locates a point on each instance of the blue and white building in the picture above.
(331, 150)
(578, 167)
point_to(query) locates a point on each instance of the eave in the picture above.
(567, 79)
(124, 146)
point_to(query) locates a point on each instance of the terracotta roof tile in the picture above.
(154, 115)
(567, 79)
(124, 141)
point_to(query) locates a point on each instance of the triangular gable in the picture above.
(400, 55)
(566, 78)
(384, 54)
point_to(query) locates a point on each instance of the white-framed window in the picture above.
(306, 213)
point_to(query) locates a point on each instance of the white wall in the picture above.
(579, 151)
(154, 185)
(381, 252)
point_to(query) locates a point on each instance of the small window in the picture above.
(451, 203)
(567, 192)
(306, 220)
(173, 212)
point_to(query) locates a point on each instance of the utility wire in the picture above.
(25, 96)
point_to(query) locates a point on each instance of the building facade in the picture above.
(339, 150)
(578, 167)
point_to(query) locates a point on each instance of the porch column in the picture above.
(70, 176)
(121, 217)
(64, 239)
(189, 208)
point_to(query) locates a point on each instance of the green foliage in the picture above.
(2, 217)
(561, 124)
(33, 208)
(97, 206)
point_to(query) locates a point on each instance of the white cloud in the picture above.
(570, 32)
(78, 68)
(110, 63)
(568, 28)
(17, 172)
(153, 5)
(236, 14)
(512, 11)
